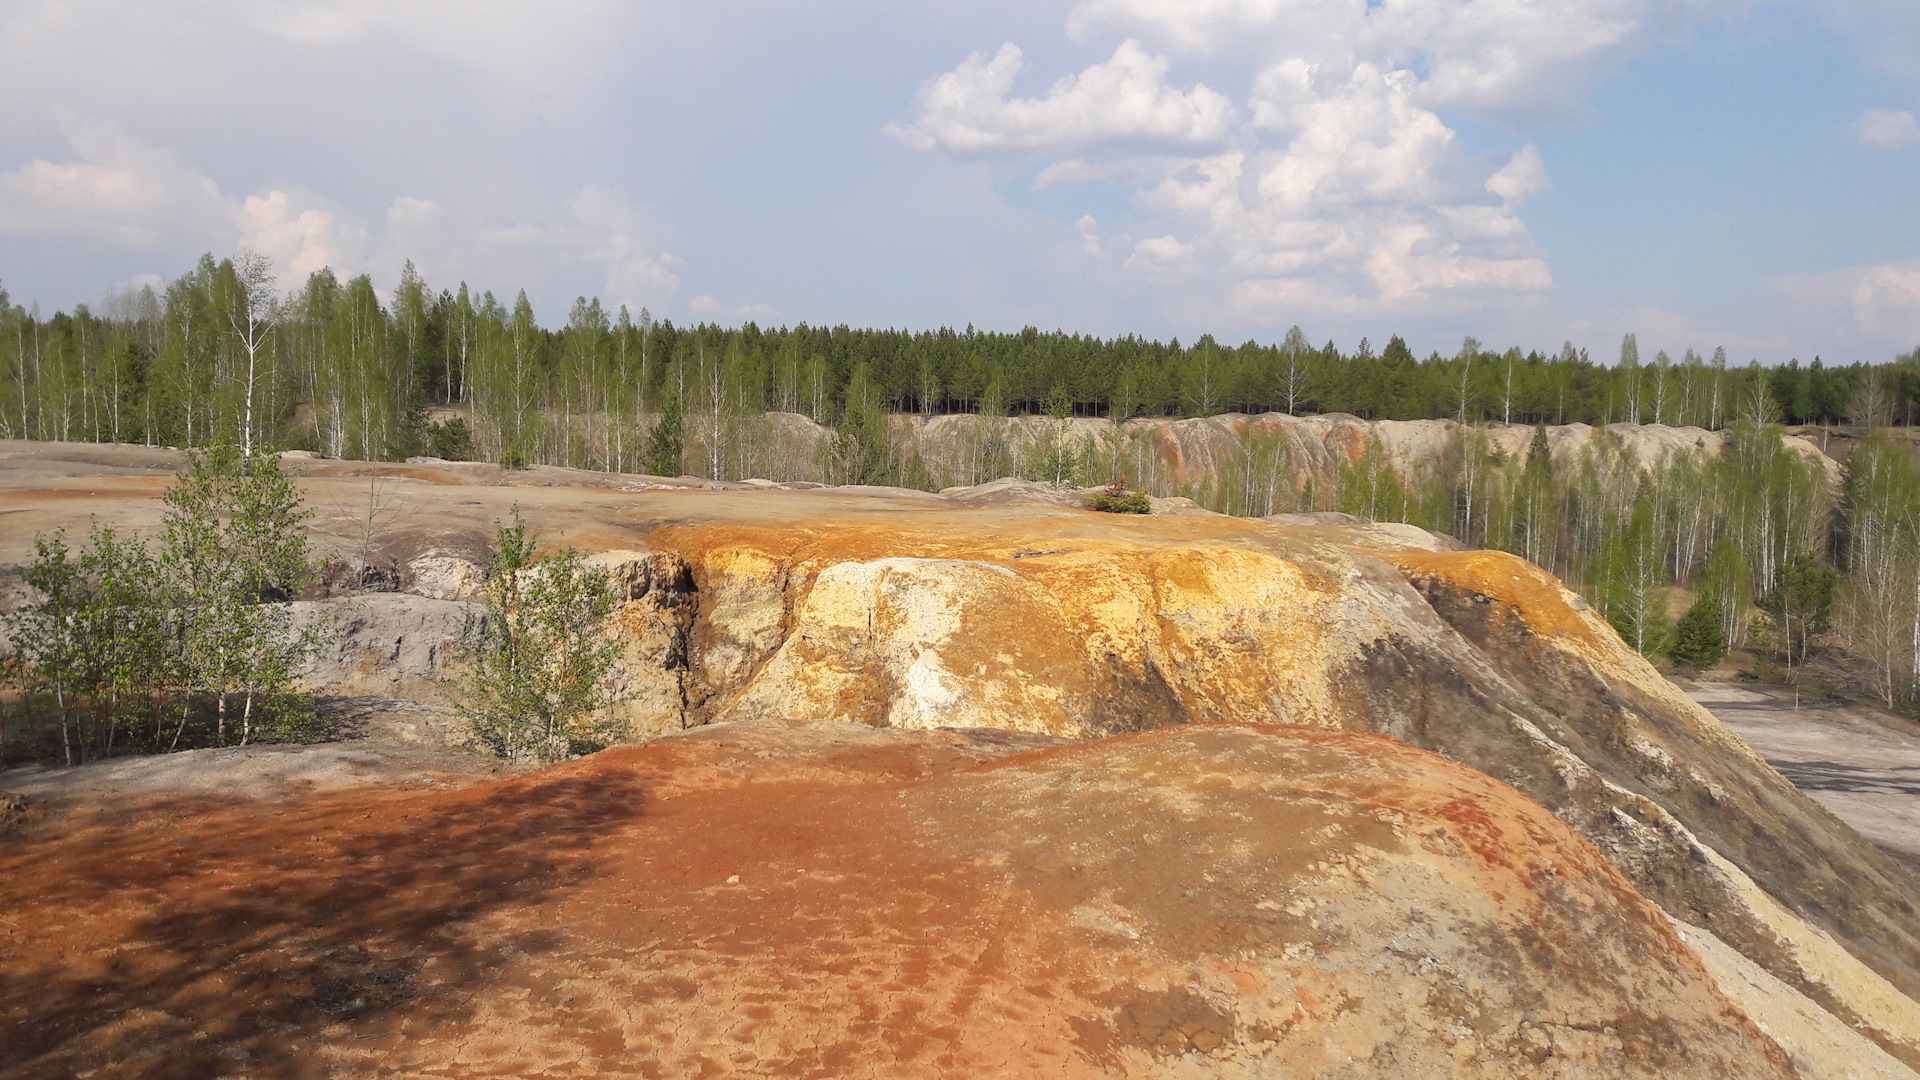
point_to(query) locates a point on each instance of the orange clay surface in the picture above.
(837, 901)
(1538, 597)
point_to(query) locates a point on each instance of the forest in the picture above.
(1690, 552)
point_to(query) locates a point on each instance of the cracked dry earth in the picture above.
(757, 899)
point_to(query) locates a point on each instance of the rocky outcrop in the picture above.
(1021, 614)
(387, 645)
(654, 624)
(1076, 625)
(911, 611)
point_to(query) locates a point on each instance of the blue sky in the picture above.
(1701, 172)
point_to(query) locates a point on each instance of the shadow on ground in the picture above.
(257, 936)
(1834, 776)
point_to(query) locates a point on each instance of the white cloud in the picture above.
(118, 189)
(1523, 177)
(1125, 98)
(298, 236)
(1887, 129)
(1875, 305)
(1886, 301)
(706, 307)
(1358, 138)
(1342, 184)
(1159, 253)
(1517, 59)
(637, 273)
(128, 193)
(1089, 231)
(1368, 205)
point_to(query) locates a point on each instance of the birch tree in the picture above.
(251, 318)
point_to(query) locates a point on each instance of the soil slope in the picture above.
(758, 899)
(1002, 608)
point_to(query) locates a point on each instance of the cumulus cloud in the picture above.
(637, 271)
(1336, 179)
(122, 192)
(125, 192)
(1368, 204)
(1886, 301)
(1517, 59)
(1125, 98)
(1887, 129)
(117, 189)
(1876, 303)
(1159, 253)
(297, 235)
(1523, 176)
(706, 307)
(1361, 137)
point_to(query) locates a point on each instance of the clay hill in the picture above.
(981, 783)
(1171, 455)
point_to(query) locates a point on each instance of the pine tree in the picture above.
(667, 441)
(860, 444)
(1700, 638)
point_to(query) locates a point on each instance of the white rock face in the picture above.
(879, 634)
(439, 576)
(385, 644)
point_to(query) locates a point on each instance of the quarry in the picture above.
(971, 783)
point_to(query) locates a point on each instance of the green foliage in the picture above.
(345, 372)
(1700, 638)
(95, 641)
(130, 645)
(1801, 603)
(1116, 499)
(666, 441)
(1370, 489)
(535, 683)
(860, 448)
(450, 440)
(411, 433)
(1634, 586)
(234, 548)
(917, 477)
(1728, 580)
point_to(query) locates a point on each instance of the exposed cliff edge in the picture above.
(912, 611)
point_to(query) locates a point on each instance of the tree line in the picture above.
(227, 353)
(1762, 550)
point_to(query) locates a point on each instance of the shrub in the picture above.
(535, 684)
(1116, 499)
(130, 643)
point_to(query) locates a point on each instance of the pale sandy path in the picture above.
(1862, 765)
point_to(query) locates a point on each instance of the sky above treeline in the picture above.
(1701, 172)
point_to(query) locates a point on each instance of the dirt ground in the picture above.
(1207, 901)
(1859, 762)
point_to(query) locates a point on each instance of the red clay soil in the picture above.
(835, 901)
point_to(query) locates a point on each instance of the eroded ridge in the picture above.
(761, 899)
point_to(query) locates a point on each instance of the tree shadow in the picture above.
(1834, 776)
(246, 939)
